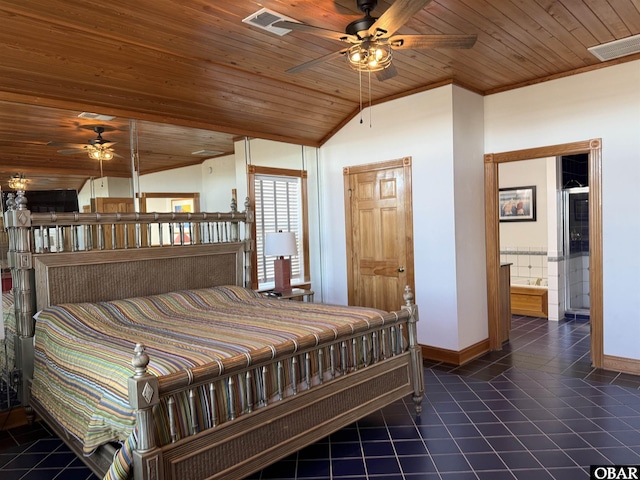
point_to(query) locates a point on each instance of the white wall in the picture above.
(184, 180)
(522, 174)
(605, 104)
(471, 267)
(218, 179)
(421, 127)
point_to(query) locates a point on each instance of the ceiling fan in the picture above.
(97, 148)
(373, 39)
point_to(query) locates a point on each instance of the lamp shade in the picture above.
(280, 244)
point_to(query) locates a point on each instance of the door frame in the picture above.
(405, 163)
(591, 147)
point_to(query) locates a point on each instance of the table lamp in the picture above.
(281, 244)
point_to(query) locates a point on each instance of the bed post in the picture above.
(249, 245)
(414, 349)
(143, 396)
(18, 223)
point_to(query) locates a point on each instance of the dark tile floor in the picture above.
(534, 411)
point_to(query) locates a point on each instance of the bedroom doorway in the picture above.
(591, 147)
(379, 226)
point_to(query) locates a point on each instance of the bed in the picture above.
(7, 346)
(274, 376)
(7, 324)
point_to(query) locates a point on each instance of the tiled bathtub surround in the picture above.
(528, 264)
(535, 265)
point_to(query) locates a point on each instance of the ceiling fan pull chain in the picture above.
(360, 93)
(370, 121)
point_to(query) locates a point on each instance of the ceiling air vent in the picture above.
(265, 18)
(207, 153)
(617, 48)
(96, 116)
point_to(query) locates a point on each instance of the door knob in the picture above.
(400, 269)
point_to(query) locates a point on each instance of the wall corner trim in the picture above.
(454, 357)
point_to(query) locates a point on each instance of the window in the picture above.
(279, 199)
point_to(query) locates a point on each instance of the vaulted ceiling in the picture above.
(187, 75)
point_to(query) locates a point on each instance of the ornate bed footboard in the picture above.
(317, 389)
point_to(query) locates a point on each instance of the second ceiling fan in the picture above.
(373, 39)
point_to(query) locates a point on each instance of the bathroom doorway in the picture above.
(593, 149)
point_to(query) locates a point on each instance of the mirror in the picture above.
(50, 148)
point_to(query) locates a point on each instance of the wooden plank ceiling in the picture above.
(193, 76)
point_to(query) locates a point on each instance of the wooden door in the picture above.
(113, 205)
(379, 226)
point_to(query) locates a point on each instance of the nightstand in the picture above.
(299, 294)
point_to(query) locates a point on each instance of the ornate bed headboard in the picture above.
(95, 276)
(87, 257)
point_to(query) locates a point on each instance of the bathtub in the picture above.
(529, 299)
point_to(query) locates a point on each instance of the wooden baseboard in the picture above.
(621, 364)
(454, 357)
(16, 417)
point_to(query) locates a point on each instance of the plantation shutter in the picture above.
(278, 208)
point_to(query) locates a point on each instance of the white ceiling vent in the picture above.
(207, 153)
(96, 116)
(265, 18)
(617, 48)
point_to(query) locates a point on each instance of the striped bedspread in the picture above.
(83, 351)
(7, 344)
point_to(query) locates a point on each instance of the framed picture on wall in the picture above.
(182, 205)
(517, 204)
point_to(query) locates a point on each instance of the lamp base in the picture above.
(282, 271)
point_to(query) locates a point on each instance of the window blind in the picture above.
(278, 205)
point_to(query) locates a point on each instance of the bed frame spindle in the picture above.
(280, 369)
(232, 397)
(294, 374)
(264, 392)
(212, 404)
(321, 366)
(249, 391)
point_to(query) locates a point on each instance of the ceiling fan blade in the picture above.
(312, 63)
(321, 32)
(395, 17)
(64, 144)
(399, 42)
(71, 151)
(387, 73)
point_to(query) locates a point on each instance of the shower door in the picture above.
(576, 248)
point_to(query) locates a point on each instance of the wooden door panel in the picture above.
(379, 233)
(385, 268)
(366, 224)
